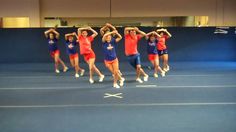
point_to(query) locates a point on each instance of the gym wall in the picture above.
(187, 44)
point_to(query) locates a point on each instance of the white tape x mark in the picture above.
(116, 95)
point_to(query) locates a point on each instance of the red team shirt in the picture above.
(131, 44)
(85, 44)
(161, 45)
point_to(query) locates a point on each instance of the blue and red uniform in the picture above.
(110, 54)
(152, 49)
(131, 50)
(71, 49)
(53, 48)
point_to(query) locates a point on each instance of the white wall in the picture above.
(220, 12)
(21, 8)
(75, 8)
(150, 8)
(229, 17)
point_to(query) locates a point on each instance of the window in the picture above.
(15, 22)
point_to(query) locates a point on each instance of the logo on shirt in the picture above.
(152, 44)
(70, 46)
(110, 47)
(51, 42)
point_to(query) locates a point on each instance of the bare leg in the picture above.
(154, 65)
(142, 72)
(56, 62)
(138, 68)
(72, 62)
(165, 61)
(79, 68)
(76, 64)
(96, 70)
(91, 65)
(62, 63)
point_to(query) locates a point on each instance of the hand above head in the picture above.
(136, 28)
(115, 31)
(87, 28)
(51, 29)
(74, 33)
(108, 24)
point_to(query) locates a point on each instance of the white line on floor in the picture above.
(52, 76)
(122, 105)
(189, 86)
(109, 87)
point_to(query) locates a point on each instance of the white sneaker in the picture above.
(122, 82)
(101, 78)
(65, 69)
(76, 75)
(120, 73)
(155, 75)
(116, 85)
(139, 80)
(145, 78)
(57, 71)
(163, 74)
(82, 72)
(165, 70)
(167, 67)
(91, 81)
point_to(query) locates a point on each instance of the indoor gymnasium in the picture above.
(117, 66)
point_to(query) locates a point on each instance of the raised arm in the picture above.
(168, 33)
(161, 29)
(153, 32)
(110, 26)
(105, 35)
(127, 29)
(70, 34)
(164, 30)
(102, 30)
(94, 32)
(140, 32)
(75, 34)
(119, 37)
(81, 29)
(47, 32)
(56, 33)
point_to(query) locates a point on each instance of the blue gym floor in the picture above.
(193, 97)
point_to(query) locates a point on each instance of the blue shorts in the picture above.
(162, 52)
(134, 60)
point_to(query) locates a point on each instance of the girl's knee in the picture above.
(76, 65)
(138, 68)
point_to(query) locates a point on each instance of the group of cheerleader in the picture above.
(156, 49)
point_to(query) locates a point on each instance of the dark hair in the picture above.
(131, 30)
(52, 33)
(152, 35)
(107, 30)
(83, 31)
